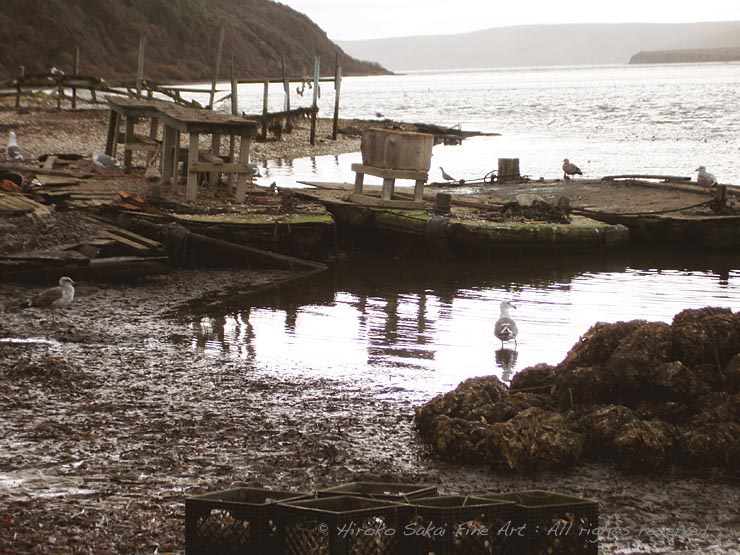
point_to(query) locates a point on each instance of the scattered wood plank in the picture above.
(678, 178)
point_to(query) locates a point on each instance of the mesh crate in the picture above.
(459, 525)
(554, 523)
(384, 491)
(342, 525)
(235, 521)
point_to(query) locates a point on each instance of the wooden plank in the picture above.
(49, 163)
(120, 231)
(390, 174)
(646, 176)
(380, 203)
(123, 240)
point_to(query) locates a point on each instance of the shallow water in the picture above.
(420, 329)
(616, 119)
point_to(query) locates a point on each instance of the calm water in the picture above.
(608, 119)
(421, 329)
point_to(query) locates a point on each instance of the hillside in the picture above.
(686, 56)
(182, 38)
(542, 45)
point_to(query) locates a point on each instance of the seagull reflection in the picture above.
(506, 360)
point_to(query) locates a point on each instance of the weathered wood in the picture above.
(389, 173)
(397, 150)
(265, 92)
(140, 66)
(76, 71)
(217, 66)
(385, 203)
(192, 187)
(337, 89)
(286, 84)
(646, 176)
(508, 170)
(315, 103)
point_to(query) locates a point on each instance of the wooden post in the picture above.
(140, 67)
(316, 70)
(234, 112)
(192, 188)
(264, 110)
(217, 67)
(76, 72)
(508, 169)
(286, 85)
(19, 85)
(60, 92)
(337, 88)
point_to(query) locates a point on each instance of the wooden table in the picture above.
(179, 119)
(131, 109)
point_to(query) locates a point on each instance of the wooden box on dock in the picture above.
(397, 150)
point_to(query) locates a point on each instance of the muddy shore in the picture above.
(111, 413)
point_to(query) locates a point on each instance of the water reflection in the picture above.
(426, 327)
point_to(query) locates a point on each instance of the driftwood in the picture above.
(646, 176)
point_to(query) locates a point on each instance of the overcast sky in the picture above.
(364, 19)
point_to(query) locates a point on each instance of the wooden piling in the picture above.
(264, 110)
(217, 66)
(316, 70)
(508, 170)
(337, 88)
(140, 66)
(234, 112)
(19, 86)
(76, 72)
(286, 85)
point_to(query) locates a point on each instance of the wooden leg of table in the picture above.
(419, 190)
(241, 177)
(388, 184)
(359, 182)
(176, 157)
(112, 130)
(216, 150)
(154, 128)
(232, 152)
(127, 140)
(167, 156)
(192, 192)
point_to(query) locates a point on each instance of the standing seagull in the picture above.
(704, 178)
(570, 169)
(105, 161)
(56, 297)
(446, 176)
(505, 328)
(13, 151)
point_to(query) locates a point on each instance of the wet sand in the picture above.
(113, 414)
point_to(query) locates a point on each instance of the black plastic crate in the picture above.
(384, 491)
(460, 525)
(554, 523)
(235, 521)
(342, 525)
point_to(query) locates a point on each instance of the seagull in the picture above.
(13, 151)
(56, 297)
(446, 176)
(570, 169)
(254, 171)
(56, 72)
(104, 160)
(505, 328)
(704, 178)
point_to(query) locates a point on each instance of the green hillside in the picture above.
(182, 38)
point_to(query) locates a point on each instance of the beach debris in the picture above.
(13, 150)
(570, 169)
(643, 395)
(55, 297)
(704, 178)
(505, 328)
(105, 161)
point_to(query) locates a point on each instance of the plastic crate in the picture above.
(384, 491)
(459, 525)
(342, 525)
(235, 521)
(554, 523)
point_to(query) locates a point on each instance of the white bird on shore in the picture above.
(446, 176)
(56, 297)
(505, 328)
(254, 171)
(56, 72)
(704, 178)
(570, 169)
(105, 161)
(13, 151)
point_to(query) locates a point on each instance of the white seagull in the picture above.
(446, 176)
(704, 178)
(13, 151)
(56, 297)
(505, 328)
(105, 161)
(570, 169)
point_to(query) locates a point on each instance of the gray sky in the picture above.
(364, 19)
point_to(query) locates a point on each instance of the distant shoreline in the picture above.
(686, 56)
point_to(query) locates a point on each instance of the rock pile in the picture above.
(642, 394)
